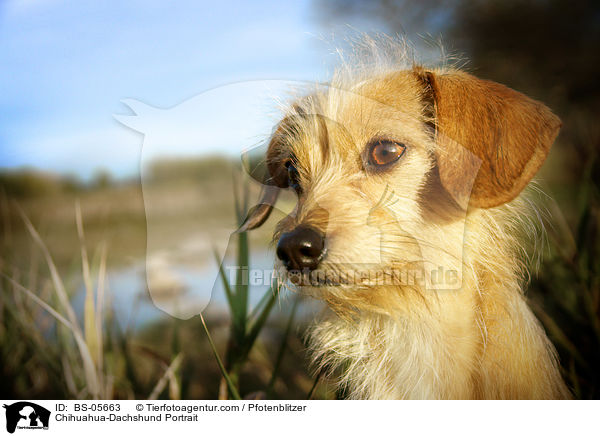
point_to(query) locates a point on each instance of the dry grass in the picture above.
(50, 348)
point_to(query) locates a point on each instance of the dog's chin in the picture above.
(323, 277)
(313, 279)
(344, 275)
(353, 277)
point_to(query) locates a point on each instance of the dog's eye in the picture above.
(384, 152)
(293, 176)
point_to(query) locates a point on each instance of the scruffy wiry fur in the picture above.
(480, 342)
(451, 202)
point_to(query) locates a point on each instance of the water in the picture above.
(137, 301)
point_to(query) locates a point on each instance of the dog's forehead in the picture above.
(396, 92)
(352, 114)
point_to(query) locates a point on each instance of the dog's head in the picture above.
(386, 170)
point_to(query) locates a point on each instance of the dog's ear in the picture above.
(278, 153)
(488, 130)
(272, 184)
(275, 177)
(260, 213)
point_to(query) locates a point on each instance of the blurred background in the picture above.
(76, 317)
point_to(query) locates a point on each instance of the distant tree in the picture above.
(102, 180)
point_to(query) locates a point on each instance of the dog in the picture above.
(402, 172)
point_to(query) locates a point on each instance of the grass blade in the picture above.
(234, 392)
(283, 345)
(100, 310)
(241, 292)
(261, 303)
(56, 280)
(89, 370)
(167, 377)
(89, 311)
(226, 285)
(260, 321)
(88, 363)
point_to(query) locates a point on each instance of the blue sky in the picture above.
(65, 67)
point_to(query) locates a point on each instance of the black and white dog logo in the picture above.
(26, 415)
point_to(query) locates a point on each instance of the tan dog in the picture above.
(403, 174)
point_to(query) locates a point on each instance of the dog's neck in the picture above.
(403, 355)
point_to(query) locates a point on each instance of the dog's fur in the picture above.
(472, 147)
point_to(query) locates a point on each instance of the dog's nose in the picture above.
(302, 248)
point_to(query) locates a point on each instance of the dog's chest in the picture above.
(395, 359)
